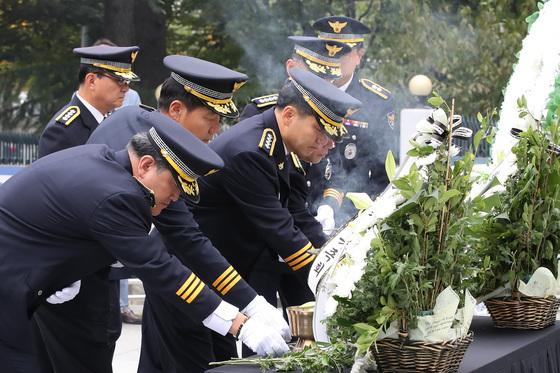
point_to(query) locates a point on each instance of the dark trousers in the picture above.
(80, 335)
(175, 343)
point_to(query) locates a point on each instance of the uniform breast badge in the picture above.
(350, 151)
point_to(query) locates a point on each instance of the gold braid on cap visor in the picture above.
(220, 101)
(329, 67)
(330, 121)
(343, 38)
(186, 177)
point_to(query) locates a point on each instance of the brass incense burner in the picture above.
(301, 324)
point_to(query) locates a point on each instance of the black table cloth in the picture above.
(492, 351)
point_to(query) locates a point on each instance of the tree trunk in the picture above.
(139, 22)
(119, 21)
(150, 32)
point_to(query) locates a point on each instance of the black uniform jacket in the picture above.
(298, 203)
(70, 214)
(243, 207)
(70, 126)
(176, 225)
(306, 181)
(371, 134)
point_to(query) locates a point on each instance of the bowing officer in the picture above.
(75, 212)
(323, 58)
(371, 131)
(80, 334)
(243, 208)
(105, 72)
(196, 95)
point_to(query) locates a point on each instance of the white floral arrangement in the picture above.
(533, 78)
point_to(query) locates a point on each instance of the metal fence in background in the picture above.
(22, 148)
(18, 148)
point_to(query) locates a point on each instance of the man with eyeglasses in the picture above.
(105, 72)
(85, 329)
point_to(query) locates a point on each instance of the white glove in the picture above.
(65, 294)
(325, 216)
(270, 315)
(261, 338)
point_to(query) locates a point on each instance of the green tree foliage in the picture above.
(466, 47)
(37, 70)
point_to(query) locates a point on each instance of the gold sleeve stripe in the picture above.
(298, 253)
(231, 284)
(304, 263)
(333, 193)
(186, 284)
(222, 276)
(298, 259)
(196, 292)
(226, 281)
(191, 288)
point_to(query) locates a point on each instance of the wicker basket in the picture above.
(523, 313)
(395, 355)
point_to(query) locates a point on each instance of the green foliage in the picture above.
(38, 72)
(521, 230)
(319, 358)
(466, 47)
(419, 250)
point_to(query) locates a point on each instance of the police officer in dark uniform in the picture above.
(243, 208)
(80, 335)
(76, 211)
(105, 72)
(322, 58)
(195, 96)
(371, 131)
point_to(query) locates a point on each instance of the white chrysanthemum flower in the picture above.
(533, 77)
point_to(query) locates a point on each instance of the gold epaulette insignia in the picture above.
(297, 163)
(68, 115)
(375, 88)
(264, 101)
(190, 288)
(147, 107)
(226, 280)
(268, 141)
(300, 258)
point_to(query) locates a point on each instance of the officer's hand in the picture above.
(270, 315)
(261, 338)
(325, 216)
(65, 294)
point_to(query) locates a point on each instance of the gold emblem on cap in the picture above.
(133, 55)
(333, 49)
(238, 85)
(337, 26)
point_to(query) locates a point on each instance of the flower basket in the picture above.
(523, 312)
(402, 355)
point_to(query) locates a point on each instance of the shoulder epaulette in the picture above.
(264, 101)
(68, 115)
(297, 163)
(147, 107)
(268, 141)
(375, 88)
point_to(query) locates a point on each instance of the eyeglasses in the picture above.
(120, 81)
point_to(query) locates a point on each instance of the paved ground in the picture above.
(127, 351)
